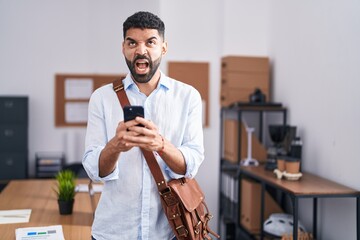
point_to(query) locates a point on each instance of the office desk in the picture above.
(309, 186)
(39, 196)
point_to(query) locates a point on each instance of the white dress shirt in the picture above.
(130, 207)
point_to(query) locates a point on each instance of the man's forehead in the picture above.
(146, 33)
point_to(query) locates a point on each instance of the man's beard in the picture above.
(143, 78)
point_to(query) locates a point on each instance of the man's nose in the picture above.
(141, 49)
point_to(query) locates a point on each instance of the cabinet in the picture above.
(13, 138)
(239, 209)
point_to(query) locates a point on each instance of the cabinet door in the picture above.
(13, 165)
(14, 110)
(13, 137)
(251, 205)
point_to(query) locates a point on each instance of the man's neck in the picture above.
(150, 86)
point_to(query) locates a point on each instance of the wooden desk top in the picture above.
(39, 196)
(308, 185)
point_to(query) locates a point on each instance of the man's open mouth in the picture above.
(142, 66)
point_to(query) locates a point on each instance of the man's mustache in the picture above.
(141, 57)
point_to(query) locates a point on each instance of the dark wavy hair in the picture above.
(144, 20)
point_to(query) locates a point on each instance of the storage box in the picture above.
(195, 74)
(231, 143)
(251, 206)
(245, 63)
(240, 76)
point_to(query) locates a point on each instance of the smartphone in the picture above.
(131, 112)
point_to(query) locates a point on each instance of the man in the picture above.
(130, 206)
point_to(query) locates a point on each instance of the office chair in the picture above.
(77, 168)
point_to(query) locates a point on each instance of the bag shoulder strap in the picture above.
(161, 184)
(118, 87)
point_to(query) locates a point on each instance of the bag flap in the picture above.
(188, 191)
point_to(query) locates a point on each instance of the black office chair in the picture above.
(2, 186)
(77, 168)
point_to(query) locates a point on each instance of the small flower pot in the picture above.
(66, 207)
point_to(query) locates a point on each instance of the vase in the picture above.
(66, 207)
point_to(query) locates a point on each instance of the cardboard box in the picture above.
(245, 80)
(195, 74)
(240, 76)
(231, 140)
(245, 63)
(231, 143)
(251, 206)
(229, 96)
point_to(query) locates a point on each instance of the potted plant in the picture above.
(65, 191)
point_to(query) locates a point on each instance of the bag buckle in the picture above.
(173, 211)
(197, 230)
(167, 190)
(119, 87)
(168, 197)
(182, 231)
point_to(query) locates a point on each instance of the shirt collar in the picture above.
(164, 81)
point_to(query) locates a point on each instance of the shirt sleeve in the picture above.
(96, 140)
(192, 147)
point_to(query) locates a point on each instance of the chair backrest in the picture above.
(77, 168)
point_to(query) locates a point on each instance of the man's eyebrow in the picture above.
(129, 39)
(152, 38)
(133, 40)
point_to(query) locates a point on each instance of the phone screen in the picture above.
(131, 112)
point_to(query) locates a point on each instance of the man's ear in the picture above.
(164, 48)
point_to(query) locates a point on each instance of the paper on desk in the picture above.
(15, 216)
(54, 232)
(97, 188)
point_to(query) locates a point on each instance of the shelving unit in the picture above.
(13, 138)
(48, 164)
(232, 147)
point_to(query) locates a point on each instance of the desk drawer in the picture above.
(13, 165)
(13, 137)
(13, 110)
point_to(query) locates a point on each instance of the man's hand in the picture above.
(146, 137)
(114, 147)
(129, 134)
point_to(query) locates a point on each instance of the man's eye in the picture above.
(151, 43)
(131, 44)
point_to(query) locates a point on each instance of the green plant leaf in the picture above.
(65, 185)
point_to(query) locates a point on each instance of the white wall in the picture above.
(244, 29)
(312, 45)
(41, 38)
(316, 53)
